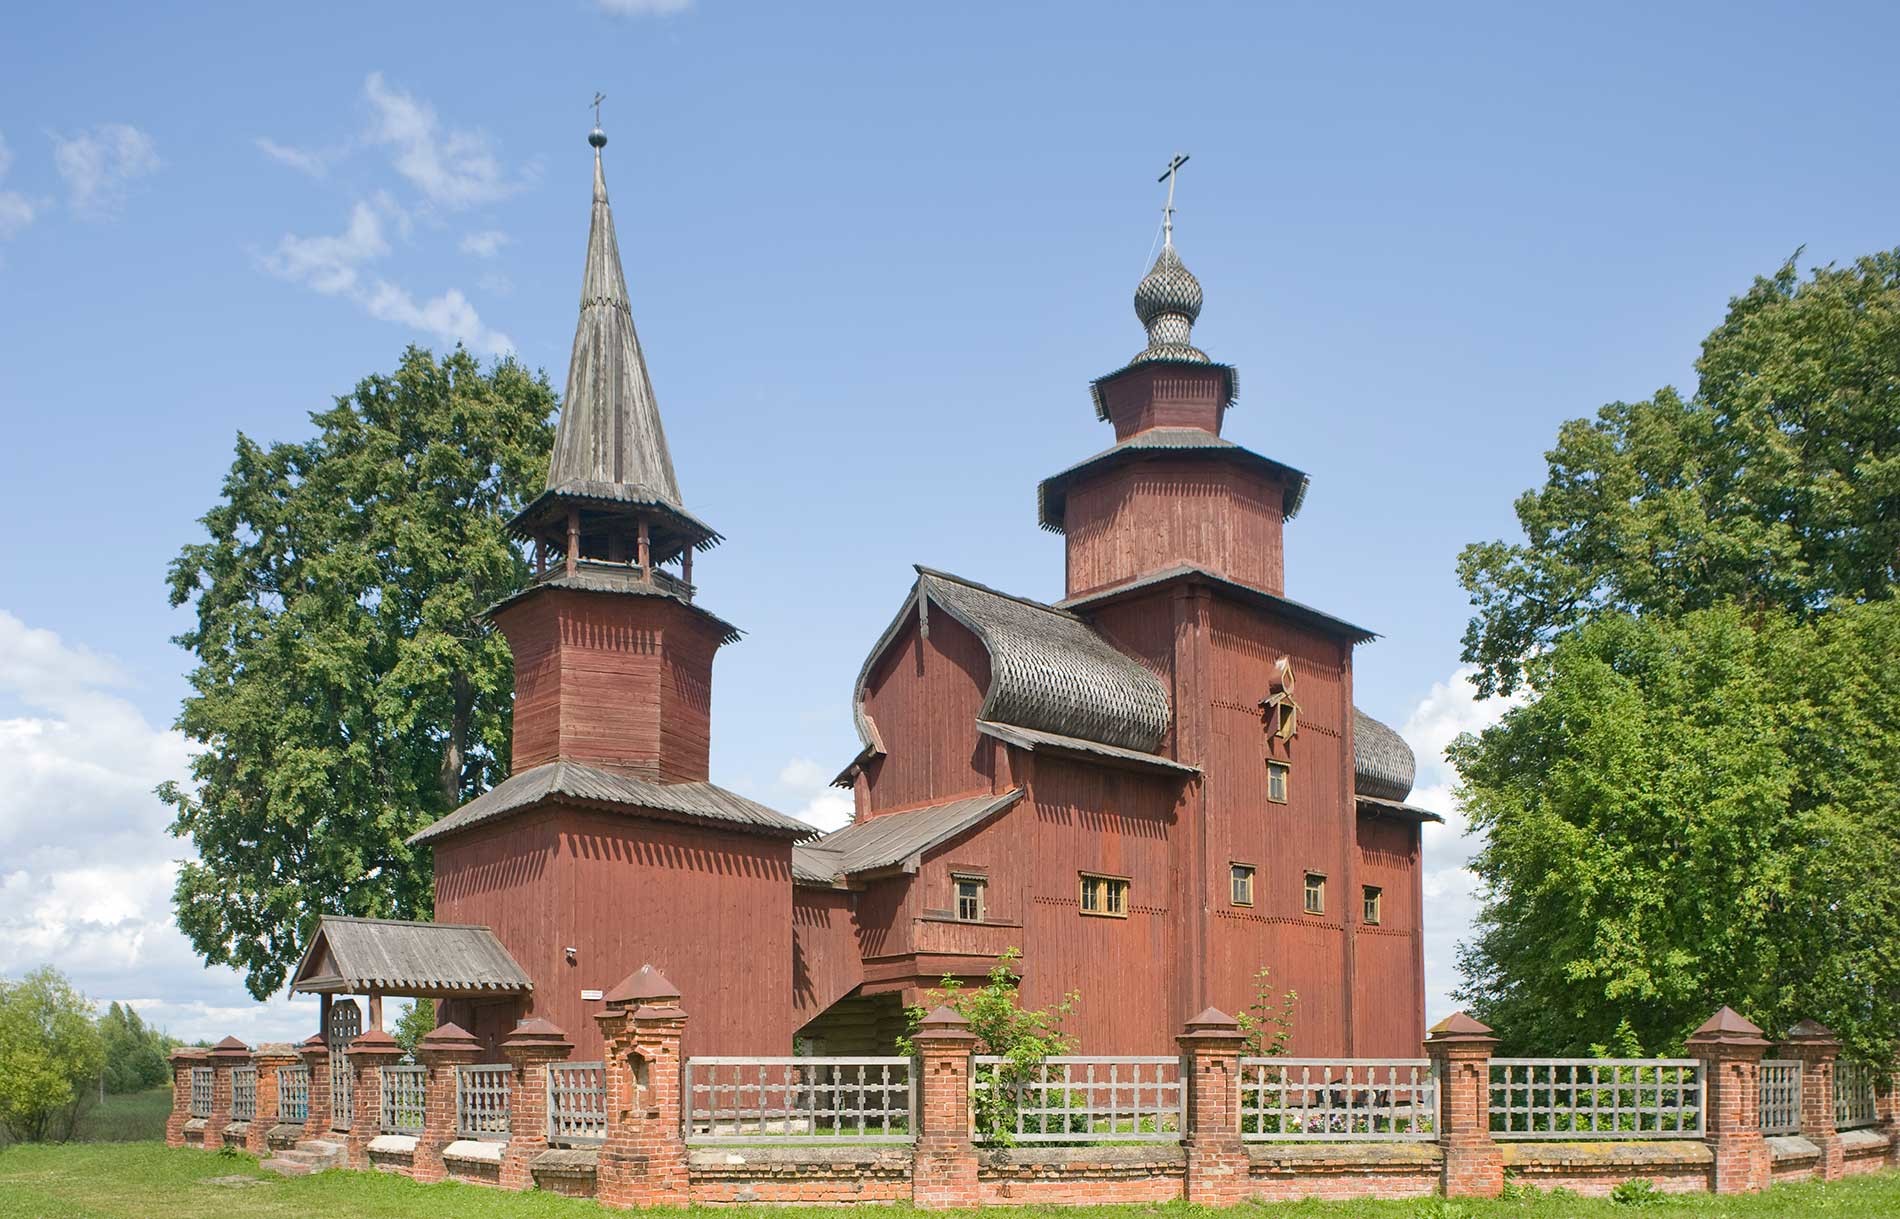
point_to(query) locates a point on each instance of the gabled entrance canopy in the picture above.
(366, 956)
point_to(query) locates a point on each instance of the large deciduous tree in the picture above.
(1777, 485)
(347, 692)
(1696, 804)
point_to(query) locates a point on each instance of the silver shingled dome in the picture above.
(1168, 300)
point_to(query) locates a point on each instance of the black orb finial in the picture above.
(597, 137)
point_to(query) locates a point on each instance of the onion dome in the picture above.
(1168, 300)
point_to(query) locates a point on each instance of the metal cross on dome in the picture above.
(1167, 211)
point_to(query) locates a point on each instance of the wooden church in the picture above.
(1151, 789)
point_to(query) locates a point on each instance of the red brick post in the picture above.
(368, 1054)
(1887, 1108)
(226, 1056)
(1818, 1050)
(534, 1044)
(271, 1061)
(316, 1056)
(1217, 1168)
(182, 1063)
(643, 1161)
(1460, 1050)
(446, 1048)
(1731, 1049)
(943, 1163)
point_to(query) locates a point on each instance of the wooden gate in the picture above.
(346, 1021)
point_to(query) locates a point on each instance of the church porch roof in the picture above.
(397, 956)
(888, 840)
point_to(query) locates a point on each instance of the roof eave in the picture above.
(1299, 612)
(1052, 493)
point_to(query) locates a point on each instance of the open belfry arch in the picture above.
(1151, 787)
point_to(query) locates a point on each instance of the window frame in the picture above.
(1234, 879)
(1109, 882)
(1285, 769)
(1309, 888)
(1372, 905)
(982, 883)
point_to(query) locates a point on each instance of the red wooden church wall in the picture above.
(924, 696)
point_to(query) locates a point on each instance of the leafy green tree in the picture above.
(1692, 811)
(136, 1055)
(1777, 485)
(51, 1055)
(416, 1022)
(1021, 1036)
(347, 692)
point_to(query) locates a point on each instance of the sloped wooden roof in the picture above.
(394, 956)
(1052, 493)
(706, 802)
(888, 840)
(1382, 763)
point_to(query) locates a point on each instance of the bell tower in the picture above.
(613, 659)
(1170, 492)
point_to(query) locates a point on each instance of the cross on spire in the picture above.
(597, 137)
(1167, 211)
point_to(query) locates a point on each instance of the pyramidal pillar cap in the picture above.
(1812, 1033)
(1460, 1029)
(448, 1037)
(230, 1047)
(648, 990)
(945, 1025)
(1728, 1027)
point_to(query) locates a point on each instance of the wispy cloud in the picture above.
(452, 167)
(809, 796)
(643, 8)
(335, 265)
(485, 244)
(312, 161)
(16, 210)
(100, 165)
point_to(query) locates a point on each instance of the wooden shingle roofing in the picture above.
(1382, 763)
(893, 838)
(394, 956)
(575, 781)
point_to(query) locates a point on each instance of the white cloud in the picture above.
(16, 210)
(1452, 896)
(99, 165)
(88, 865)
(315, 162)
(334, 265)
(452, 167)
(485, 244)
(810, 797)
(643, 8)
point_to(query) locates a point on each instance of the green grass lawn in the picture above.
(135, 1180)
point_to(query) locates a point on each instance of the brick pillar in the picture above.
(643, 1161)
(1887, 1106)
(271, 1061)
(1731, 1049)
(1817, 1049)
(226, 1056)
(368, 1054)
(446, 1048)
(534, 1044)
(316, 1056)
(1217, 1168)
(1460, 1050)
(182, 1063)
(943, 1164)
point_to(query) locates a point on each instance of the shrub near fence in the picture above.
(1596, 1098)
(1079, 1099)
(1338, 1099)
(810, 1099)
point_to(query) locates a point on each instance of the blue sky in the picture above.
(876, 253)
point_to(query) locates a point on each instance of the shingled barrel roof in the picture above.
(1382, 763)
(1052, 494)
(580, 783)
(1049, 670)
(394, 956)
(890, 839)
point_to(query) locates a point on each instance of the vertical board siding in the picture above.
(825, 962)
(924, 696)
(1159, 513)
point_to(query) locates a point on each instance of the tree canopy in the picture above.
(136, 1055)
(347, 692)
(1694, 807)
(50, 1054)
(1776, 485)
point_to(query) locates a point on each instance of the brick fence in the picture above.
(1213, 1127)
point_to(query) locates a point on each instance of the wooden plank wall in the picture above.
(1163, 512)
(1389, 1004)
(924, 696)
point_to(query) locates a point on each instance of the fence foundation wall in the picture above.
(644, 1127)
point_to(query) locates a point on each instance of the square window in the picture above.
(1242, 880)
(1315, 893)
(1279, 778)
(1105, 896)
(1373, 894)
(970, 898)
